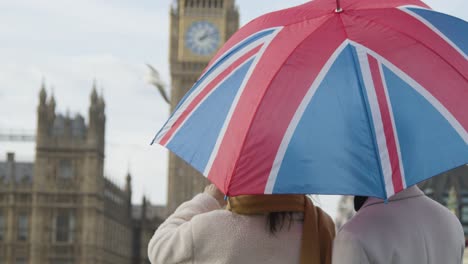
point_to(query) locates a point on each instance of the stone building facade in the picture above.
(451, 190)
(219, 19)
(15, 210)
(61, 209)
(146, 218)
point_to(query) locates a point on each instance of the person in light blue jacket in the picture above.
(410, 229)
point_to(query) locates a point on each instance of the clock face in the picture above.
(202, 38)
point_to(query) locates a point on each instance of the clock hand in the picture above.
(204, 36)
(207, 35)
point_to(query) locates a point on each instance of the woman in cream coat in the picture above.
(201, 231)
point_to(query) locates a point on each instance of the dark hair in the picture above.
(359, 202)
(275, 221)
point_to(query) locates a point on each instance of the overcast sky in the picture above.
(70, 43)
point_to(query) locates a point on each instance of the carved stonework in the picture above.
(54, 210)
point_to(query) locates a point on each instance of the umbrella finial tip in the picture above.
(338, 7)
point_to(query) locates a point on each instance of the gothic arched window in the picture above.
(23, 227)
(2, 226)
(65, 169)
(64, 225)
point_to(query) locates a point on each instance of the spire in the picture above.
(42, 93)
(144, 205)
(52, 101)
(94, 95)
(44, 115)
(94, 84)
(96, 127)
(101, 105)
(101, 102)
(128, 183)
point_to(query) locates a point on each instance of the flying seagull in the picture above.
(154, 79)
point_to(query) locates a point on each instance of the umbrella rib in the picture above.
(369, 123)
(344, 27)
(369, 115)
(261, 99)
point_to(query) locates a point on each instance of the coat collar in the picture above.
(411, 192)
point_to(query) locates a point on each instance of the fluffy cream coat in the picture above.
(200, 231)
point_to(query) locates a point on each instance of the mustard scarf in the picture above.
(318, 229)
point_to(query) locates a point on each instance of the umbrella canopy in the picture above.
(367, 100)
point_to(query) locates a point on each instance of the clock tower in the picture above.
(198, 29)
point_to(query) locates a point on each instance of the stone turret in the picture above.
(42, 115)
(51, 107)
(59, 134)
(97, 119)
(69, 159)
(66, 131)
(42, 94)
(144, 207)
(128, 187)
(45, 116)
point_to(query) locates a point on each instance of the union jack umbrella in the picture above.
(365, 99)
